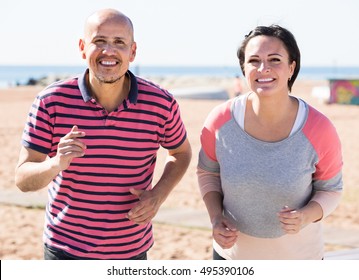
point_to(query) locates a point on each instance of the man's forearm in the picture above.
(33, 176)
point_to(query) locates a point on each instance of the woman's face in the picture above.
(266, 65)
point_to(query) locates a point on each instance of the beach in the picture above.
(21, 218)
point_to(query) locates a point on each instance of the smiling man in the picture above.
(109, 48)
(93, 140)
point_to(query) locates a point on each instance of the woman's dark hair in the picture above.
(280, 33)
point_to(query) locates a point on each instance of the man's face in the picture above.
(108, 48)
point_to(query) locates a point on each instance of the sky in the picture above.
(180, 32)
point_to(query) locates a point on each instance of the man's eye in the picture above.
(99, 41)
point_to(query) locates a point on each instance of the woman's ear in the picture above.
(292, 68)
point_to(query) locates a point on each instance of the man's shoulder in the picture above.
(66, 86)
(149, 87)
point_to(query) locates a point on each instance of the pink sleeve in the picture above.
(208, 168)
(220, 115)
(325, 140)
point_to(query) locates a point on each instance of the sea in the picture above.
(11, 75)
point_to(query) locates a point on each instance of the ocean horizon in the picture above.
(12, 75)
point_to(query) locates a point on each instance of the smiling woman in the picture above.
(265, 173)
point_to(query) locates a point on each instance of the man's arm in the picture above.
(35, 171)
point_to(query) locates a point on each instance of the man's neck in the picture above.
(110, 95)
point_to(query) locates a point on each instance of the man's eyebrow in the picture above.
(105, 37)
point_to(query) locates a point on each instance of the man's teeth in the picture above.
(108, 62)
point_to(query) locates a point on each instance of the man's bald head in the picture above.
(106, 16)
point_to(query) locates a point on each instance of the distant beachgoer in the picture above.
(270, 165)
(92, 140)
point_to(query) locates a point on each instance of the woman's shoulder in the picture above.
(317, 118)
(221, 113)
(319, 129)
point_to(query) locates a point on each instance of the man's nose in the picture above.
(108, 48)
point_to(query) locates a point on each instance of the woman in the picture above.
(270, 165)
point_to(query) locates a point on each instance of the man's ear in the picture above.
(133, 51)
(82, 48)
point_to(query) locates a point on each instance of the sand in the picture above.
(21, 227)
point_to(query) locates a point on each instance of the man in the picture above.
(93, 141)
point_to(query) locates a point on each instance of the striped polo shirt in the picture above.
(88, 202)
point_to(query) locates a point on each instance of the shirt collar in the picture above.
(86, 94)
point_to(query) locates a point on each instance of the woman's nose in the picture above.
(263, 67)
